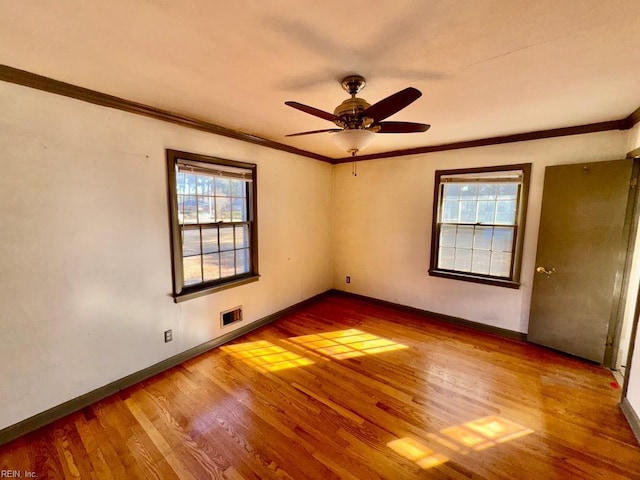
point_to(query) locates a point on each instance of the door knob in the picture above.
(545, 271)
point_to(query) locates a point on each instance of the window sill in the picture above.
(498, 282)
(201, 291)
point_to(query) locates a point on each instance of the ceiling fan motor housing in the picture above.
(349, 113)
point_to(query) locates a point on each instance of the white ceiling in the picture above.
(485, 67)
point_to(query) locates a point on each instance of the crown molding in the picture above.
(633, 119)
(39, 82)
(622, 124)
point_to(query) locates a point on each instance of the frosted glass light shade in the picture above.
(354, 140)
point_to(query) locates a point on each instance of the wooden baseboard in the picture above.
(48, 416)
(461, 322)
(632, 417)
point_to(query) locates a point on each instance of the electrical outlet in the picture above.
(168, 336)
(348, 279)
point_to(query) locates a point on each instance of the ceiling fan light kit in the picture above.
(353, 140)
(358, 120)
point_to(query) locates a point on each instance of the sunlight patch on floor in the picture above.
(265, 356)
(485, 432)
(349, 343)
(476, 435)
(418, 453)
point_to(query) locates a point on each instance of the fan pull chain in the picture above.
(354, 169)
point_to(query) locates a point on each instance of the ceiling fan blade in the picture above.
(392, 104)
(402, 127)
(312, 111)
(314, 131)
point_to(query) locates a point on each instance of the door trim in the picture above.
(635, 154)
(623, 274)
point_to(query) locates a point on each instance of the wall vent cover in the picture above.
(231, 316)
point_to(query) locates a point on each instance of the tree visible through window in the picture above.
(479, 223)
(213, 222)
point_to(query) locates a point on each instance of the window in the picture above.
(213, 223)
(479, 224)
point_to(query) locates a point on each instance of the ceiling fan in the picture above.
(358, 120)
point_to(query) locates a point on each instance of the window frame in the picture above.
(513, 281)
(180, 291)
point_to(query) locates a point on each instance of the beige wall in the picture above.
(633, 141)
(85, 275)
(382, 226)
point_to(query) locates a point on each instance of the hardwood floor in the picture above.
(354, 390)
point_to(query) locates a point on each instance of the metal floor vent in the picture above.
(231, 316)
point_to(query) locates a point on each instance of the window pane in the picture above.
(448, 236)
(464, 237)
(468, 211)
(486, 211)
(446, 257)
(463, 260)
(223, 209)
(210, 240)
(227, 263)
(226, 238)
(487, 191)
(468, 191)
(242, 236)
(187, 209)
(450, 213)
(186, 183)
(506, 212)
(481, 261)
(500, 264)
(192, 270)
(205, 185)
(206, 209)
(242, 261)
(211, 267)
(237, 188)
(451, 190)
(180, 183)
(482, 238)
(507, 191)
(503, 239)
(190, 242)
(223, 187)
(239, 211)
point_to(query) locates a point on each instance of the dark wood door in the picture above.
(580, 256)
